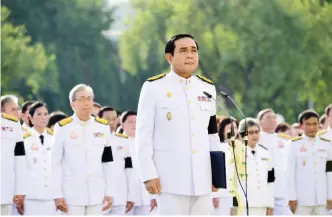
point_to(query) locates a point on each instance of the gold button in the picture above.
(192, 135)
(193, 152)
(181, 80)
(187, 88)
(189, 81)
(192, 117)
(316, 182)
(189, 101)
(315, 162)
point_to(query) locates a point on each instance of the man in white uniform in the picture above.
(176, 130)
(276, 145)
(83, 170)
(13, 159)
(327, 133)
(309, 169)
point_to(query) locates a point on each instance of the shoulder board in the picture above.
(321, 132)
(9, 117)
(49, 131)
(26, 135)
(325, 139)
(65, 121)
(24, 129)
(263, 146)
(284, 136)
(154, 78)
(121, 135)
(204, 79)
(297, 138)
(102, 121)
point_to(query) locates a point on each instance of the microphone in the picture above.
(232, 138)
(224, 94)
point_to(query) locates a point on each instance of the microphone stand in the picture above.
(231, 137)
(245, 143)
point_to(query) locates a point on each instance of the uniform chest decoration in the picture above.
(98, 135)
(34, 147)
(303, 149)
(203, 99)
(281, 144)
(121, 148)
(8, 129)
(73, 135)
(169, 116)
(265, 158)
(321, 150)
(169, 94)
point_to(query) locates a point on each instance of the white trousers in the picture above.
(39, 207)
(116, 210)
(139, 210)
(84, 210)
(6, 209)
(254, 211)
(310, 210)
(173, 204)
(281, 207)
(224, 208)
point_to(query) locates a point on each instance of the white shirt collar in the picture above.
(75, 118)
(182, 80)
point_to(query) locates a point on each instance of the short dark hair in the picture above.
(322, 119)
(170, 45)
(282, 127)
(95, 104)
(306, 115)
(328, 109)
(6, 99)
(105, 109)
(26, 105)
(222, 127)
(263, 112)
(125, 115)
(251, 122)
(33, 109)
(55, 117)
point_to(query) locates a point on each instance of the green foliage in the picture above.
(274, 54)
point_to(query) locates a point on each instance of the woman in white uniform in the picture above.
(222, 199)
(37, 142)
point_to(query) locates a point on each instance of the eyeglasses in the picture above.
(253, 132)
(83, 99)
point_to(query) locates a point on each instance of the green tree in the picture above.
(25, 67)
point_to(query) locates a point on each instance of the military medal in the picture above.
(169, 94)
(34, 147)
(303, 149)
(304, 162)
(73, 135)
(169, 116)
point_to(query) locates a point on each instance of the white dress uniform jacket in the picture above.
(260, 177)
(83, 170)
(308, 171)
(39, 164)
(176, 129)
(13, 160)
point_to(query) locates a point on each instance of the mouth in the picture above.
(189, 63)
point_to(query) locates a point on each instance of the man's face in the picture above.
(11, 108)
(185, 58)
(95, 110)
(83, 103)
(269, 122)
(129, 126)
(112, 117)
(310, 126)
(253, 135)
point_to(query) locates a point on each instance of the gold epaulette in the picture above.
(9, 117)
(102, 121)
(121, 135)
(284, 136)
(154, 78)
(49, 131)
(204, 79)
(321, 132)
(65, 121)
(325, 139)
(297, 138)
(26, 135)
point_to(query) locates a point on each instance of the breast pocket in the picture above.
(205, 112)
(168, 112)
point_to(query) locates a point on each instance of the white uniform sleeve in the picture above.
(21, 166)
(290, 167)
(329, 173)
(214, 139)
(111, 164)
(145, 131)
(270, 185)
(57, 157)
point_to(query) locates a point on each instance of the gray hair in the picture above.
(250, 123)
(77, 88)
(6, 99)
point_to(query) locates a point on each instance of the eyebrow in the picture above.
(188, 47)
